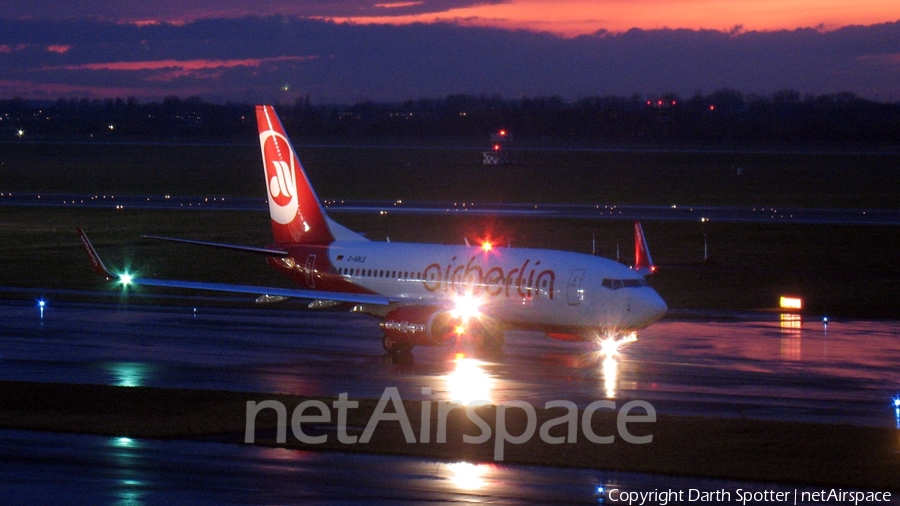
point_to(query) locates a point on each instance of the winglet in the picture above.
(643, 264)
(96, 263)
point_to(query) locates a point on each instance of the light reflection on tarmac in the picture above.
(755, 365)
(51, 468)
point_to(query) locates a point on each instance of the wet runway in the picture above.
(762, 365)
(758, 365)
(63, 469)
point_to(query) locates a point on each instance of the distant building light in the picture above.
(791, 303)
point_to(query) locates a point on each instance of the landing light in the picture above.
(466, 307)
(609, 347)
(126, 279)
(897, 402)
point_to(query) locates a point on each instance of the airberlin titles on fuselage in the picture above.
(494, 280)
(526, 281)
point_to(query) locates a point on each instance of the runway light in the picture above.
(791, 303)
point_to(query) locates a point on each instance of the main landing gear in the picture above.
(488, 340)
(396, 352)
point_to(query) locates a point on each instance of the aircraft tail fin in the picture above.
(297, 215)
(643, 264)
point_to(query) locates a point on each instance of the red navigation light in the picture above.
(487, 246)
(496, 147)
(712, 108)
(502, 132)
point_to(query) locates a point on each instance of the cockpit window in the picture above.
(615, 284)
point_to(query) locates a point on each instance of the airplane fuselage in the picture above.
(530, 288)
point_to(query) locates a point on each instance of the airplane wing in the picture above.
(246, 249)
(126, 280)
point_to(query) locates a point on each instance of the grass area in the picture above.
(739, 449)
(829, 180)
(841, 270)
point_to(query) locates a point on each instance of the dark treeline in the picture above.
(722, 117)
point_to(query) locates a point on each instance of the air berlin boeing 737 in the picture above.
(428, 294)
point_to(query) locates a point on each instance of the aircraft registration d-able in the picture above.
(428, 294)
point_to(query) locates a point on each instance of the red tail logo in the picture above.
(296, 214)
(281, 175)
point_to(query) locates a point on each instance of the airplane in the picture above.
(426, 294)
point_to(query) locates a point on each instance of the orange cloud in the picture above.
(179, 65)
(397, 5)
(579, 17)
(4, 48)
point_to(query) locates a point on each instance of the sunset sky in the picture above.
(348, 50)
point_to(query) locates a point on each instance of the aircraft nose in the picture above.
(651, 307)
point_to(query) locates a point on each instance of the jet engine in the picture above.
(408, 326)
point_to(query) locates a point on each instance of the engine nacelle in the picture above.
(572, 338)
(419, 325)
